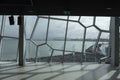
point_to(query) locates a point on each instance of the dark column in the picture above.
(1, 31)
(21, 40)
(114, 41)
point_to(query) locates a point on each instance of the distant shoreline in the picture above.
(103, 40)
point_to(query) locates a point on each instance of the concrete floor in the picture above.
(58, 71)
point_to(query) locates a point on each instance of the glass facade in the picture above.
(56, 38)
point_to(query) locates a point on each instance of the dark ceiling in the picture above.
(59, 7)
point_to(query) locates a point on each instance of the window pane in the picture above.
(91, 36)
(44, 51)
(30, 51)
(56, 34)
(11, 30)
(105, 35)
(29, 24)
(60, 17)
(86, 20)
(57, 56)
(74, 18)
(104, 39)
(103, 22)
(56, 44)
(9, 49)
(74, 37)
(40, 31)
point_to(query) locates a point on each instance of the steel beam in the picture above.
(58, 19)
(36, 54)
(34, 27)
(83, 45)
(51, 56)
(65, 38)
(47, 30)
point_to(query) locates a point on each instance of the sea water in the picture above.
(9, 50)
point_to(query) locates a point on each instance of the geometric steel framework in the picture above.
(49, 18)
(67, 20)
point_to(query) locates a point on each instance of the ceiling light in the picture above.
(108, 8)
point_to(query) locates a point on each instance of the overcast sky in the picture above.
(57, 27)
